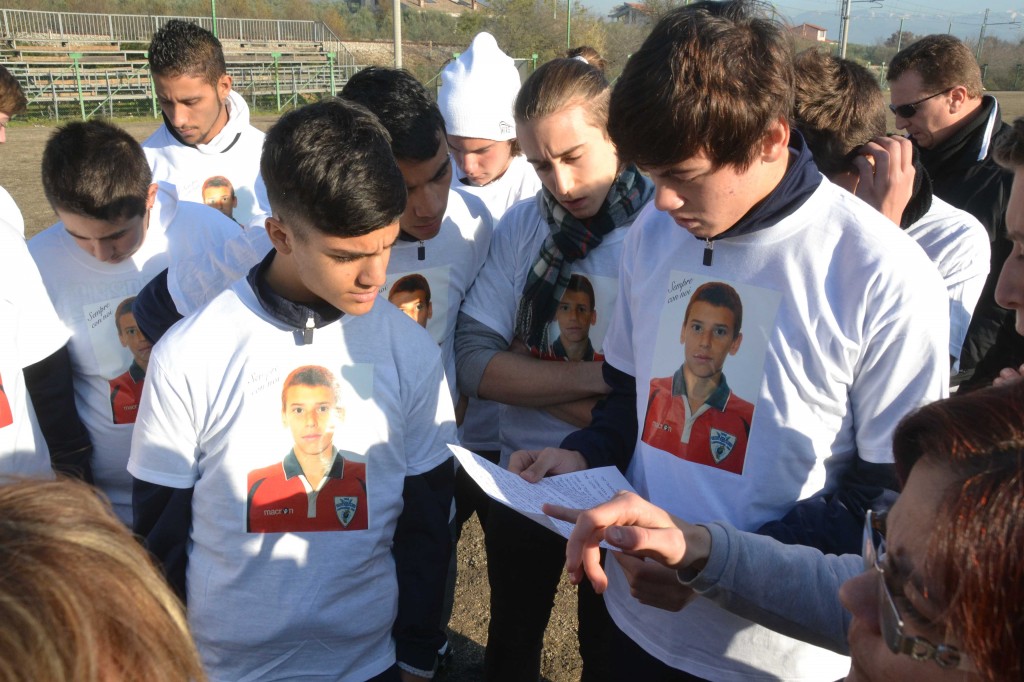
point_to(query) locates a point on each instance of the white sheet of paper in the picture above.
(579, 490)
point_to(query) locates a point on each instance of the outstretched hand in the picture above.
(635, 526)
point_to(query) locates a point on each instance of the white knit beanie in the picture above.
(478, 91)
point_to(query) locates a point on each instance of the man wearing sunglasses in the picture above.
(936, 96)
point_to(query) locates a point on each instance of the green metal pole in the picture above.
(277, 78)
(75, 56)
(330, 65)
(568, 25)
(152, 87)
(213, 13)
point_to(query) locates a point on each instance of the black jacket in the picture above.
(965, 175)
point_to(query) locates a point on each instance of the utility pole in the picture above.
(396, 10)
(899, 38)
(981, 36)
(844, 28)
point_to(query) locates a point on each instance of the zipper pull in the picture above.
(709, 251)
(421, 252)
(307, 333)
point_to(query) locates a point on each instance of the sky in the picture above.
(871, 21)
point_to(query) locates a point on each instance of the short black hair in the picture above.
(405, 108)
(96, 169)
(182, 48)
(328, 166)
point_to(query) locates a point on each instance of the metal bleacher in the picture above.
(74, 65)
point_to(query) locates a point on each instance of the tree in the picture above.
(894, 40)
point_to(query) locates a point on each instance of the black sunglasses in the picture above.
(908, 110)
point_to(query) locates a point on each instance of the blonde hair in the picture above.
(561, 83)
(80, 599)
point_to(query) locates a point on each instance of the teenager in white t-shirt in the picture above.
(12, 103)
(508, 326)
(444, 234)
(844, 332)
(305, 600)
(478, 90)
(206, 139)
(117, 231)
(37, 407)
(853, 151)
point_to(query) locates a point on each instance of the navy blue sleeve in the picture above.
(834, 522)
(162, 516)
(48, 383)
(611, 437)
(422, 549)
(154, 310)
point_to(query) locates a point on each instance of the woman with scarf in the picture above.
(575, 225)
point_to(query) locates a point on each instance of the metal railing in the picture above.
(287, 64)
(18, 24)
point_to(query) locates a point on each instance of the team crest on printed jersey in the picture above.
(722, 444)
(346, 508)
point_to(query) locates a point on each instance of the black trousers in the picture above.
(525, 562)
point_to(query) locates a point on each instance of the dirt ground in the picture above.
(19, 174)
(20, 160)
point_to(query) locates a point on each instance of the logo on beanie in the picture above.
(506, 128)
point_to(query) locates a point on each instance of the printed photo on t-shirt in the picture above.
(708, 330)
(6, 415)
(423, 296)
(126, 388)
(122, 353)
(576, 332)
(317, 486)
(219, 193)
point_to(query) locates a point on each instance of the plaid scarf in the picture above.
(569, 240)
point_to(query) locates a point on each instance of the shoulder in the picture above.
(946, 223)
(740, 407)
(661, 385)
(521, 222)
(219, 324)
(48, 247)
(264, 473)
(161, 137)
(467, 211)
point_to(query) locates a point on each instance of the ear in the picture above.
(223, 87)
(958, 99)
(775, 145)
(281, 235)
(151, 196)
(736, 344)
